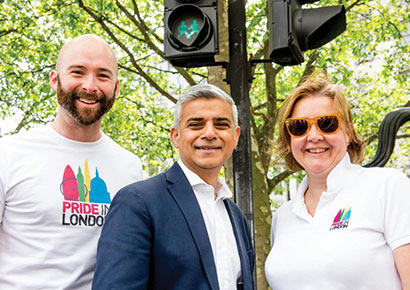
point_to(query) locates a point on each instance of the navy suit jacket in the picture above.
(155, 237)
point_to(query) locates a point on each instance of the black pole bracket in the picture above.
(389, 126)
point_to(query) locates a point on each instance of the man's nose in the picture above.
(209, 131)
(89, 84)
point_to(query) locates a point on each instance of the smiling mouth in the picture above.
(317, 151)
(88, 101)
(207, 147)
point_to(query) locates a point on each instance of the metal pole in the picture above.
(238, 71)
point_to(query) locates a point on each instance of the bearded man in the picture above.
(57, 181)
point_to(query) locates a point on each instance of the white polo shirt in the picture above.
(349, 243)
(219, 228)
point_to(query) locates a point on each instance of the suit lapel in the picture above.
(184, 196)
(242, 249)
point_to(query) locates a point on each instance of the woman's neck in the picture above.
(313, 193)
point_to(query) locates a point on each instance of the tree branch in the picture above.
(6, 32)
(309, 68)
(371, 138)
(258, 114)
(144, 30)
(124, 31)
(23, 122)
(278, 178)
(127, 51)
(141, 116)
(388, 21)
(404, 136)
(356, 3)
(142, 22)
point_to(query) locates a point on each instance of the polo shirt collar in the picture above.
(336, 180)
(343, 171)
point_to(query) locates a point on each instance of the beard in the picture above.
(84, 116)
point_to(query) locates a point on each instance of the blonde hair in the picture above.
(317, 85)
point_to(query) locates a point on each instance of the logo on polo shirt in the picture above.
(341, 220)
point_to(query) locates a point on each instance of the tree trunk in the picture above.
(262, 215)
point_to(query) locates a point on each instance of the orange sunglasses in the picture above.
(326, 124)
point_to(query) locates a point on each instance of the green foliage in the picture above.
(23, 74)
(144, 129)
(32, 34)
(370, 60)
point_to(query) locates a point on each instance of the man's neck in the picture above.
(211, 180)
(209, 176)
(66, 126)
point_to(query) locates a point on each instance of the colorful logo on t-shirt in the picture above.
(80, 188)
(86, 200)
(341, 219)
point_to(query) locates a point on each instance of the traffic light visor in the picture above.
(319, 26)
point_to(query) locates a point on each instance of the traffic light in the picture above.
(190, 32)
(293, 30)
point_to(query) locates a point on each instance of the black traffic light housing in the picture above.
(293, 30)
(190, 32)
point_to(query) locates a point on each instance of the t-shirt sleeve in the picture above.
(396, 215)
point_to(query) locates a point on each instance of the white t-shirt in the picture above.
(54, 195)
(349, 243)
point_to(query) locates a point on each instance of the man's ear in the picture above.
(237, 134)
(174, 137)
(117, 88)
(54, 80)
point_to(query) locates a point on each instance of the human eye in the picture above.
(104, 76)
(195, 125)
(222, 125)
(76, 72)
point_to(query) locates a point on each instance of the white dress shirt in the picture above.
(218, 226)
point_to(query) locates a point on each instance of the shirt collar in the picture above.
(343, 171)
(336, 180)
(222, 189)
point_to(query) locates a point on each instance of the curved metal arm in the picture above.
(387, 135)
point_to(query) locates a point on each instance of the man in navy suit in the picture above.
(179, 229)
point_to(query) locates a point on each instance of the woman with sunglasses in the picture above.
(348, 227)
